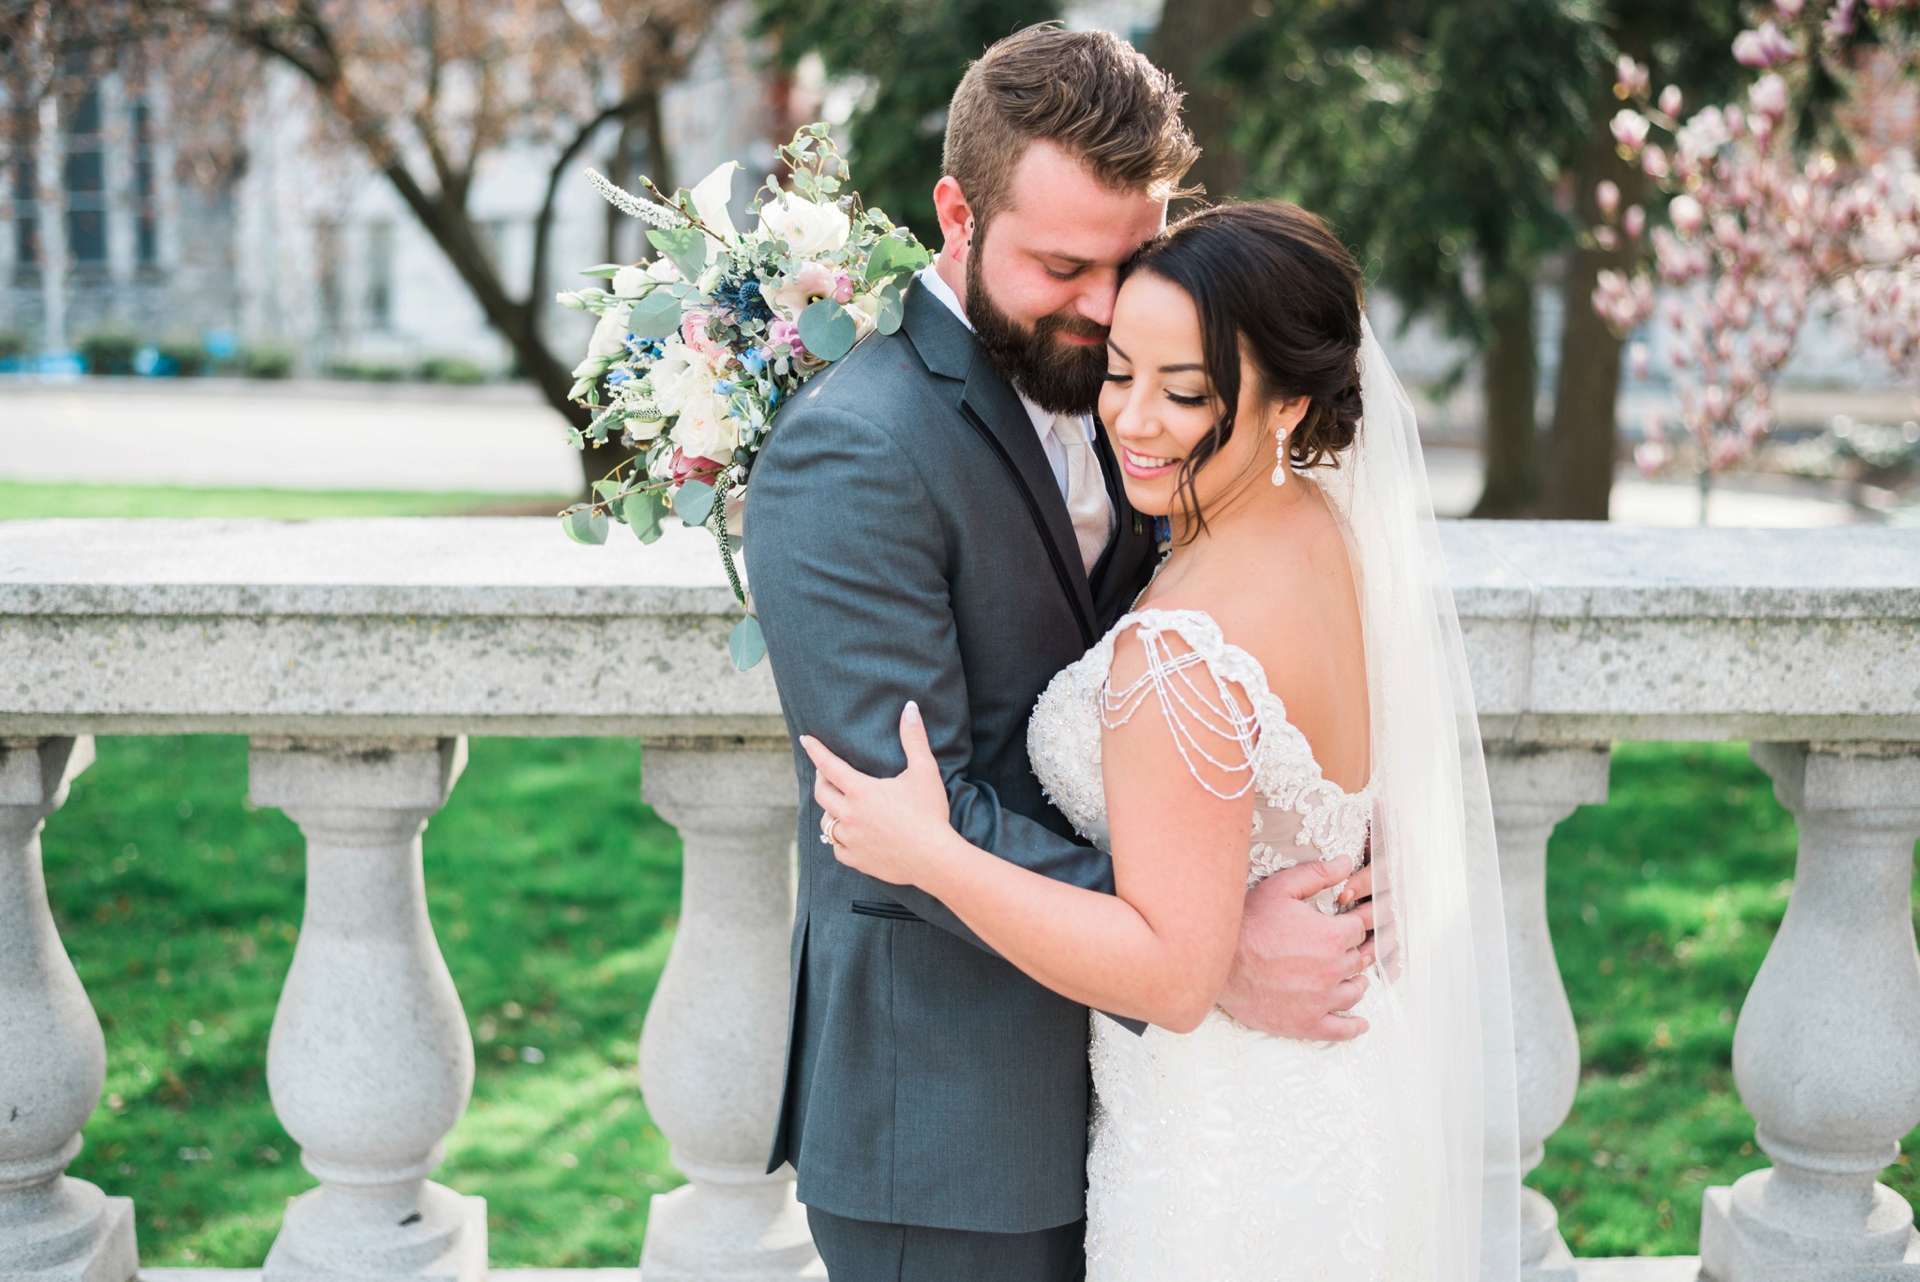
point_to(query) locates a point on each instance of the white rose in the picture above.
(610, 335)
(865, 310)
(705, 429)
(631, 282)
(807, 228)
(679, 375)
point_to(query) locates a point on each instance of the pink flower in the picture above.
(1608, 196)
(813, 282)
(1789, 9)
(683, 466)
(693, 332)
(1635, 221)
(1766, 47)
(784, 331)
(1654, 163)
(1630, 75)
(1630, 129)
(1671, 102)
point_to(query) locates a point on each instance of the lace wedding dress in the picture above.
(1225, 1154)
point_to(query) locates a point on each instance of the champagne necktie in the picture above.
(1087, 502)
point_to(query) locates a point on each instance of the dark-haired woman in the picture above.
(1290, 687)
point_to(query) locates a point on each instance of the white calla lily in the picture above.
(710, 199)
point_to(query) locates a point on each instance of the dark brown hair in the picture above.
(1089, 92)
(1271, 283)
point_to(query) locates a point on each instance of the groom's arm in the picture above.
(849, 565)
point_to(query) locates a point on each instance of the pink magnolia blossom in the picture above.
(1766, 47)
(1671, 101)
(1630, 129)
(1607, 195)
(1634, 222)
(1630, 75)
(1760, 234)
(1769, 96)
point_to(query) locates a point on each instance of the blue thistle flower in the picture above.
(740, 296)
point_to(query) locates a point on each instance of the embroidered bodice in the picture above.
(1230, 747)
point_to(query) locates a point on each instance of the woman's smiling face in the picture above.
(1158, 404)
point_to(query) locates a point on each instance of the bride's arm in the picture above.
(1157, 950)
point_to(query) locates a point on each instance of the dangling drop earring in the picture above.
(1280, 461)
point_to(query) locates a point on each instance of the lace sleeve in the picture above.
(1195, 689)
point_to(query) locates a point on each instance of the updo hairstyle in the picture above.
(1270, 282)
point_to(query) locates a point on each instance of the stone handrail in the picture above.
(357, 654)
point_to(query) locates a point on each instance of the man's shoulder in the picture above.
(876, 381)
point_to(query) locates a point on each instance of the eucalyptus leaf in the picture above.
(655, 316)
(893, 308)
(685, 246)
(827, 330)
(604, 269)
(583, 526)
(694, 502)
(643, 510)
(891, 256)
(747, 645)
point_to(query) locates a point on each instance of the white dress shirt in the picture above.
(1042, 419)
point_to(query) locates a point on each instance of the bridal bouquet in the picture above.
(695, 350)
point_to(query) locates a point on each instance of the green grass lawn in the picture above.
(553, 891)
(24, 499)
(1662, 903)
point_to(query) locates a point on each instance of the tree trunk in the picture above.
(1586, 435)
(1511, 440)
(1190, 33)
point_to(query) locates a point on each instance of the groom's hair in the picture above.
(1088, 92)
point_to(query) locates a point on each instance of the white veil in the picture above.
(1441, 929)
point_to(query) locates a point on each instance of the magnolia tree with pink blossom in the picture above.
(1762, 231)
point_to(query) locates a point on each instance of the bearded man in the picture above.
(935, 518)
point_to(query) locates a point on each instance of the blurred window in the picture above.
(146, 213)
(86, 182)
(22, 137)
(380, 275)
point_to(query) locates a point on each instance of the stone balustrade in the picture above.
(359, 654)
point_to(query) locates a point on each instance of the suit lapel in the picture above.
(990, 405)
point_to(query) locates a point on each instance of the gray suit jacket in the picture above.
(906, 539)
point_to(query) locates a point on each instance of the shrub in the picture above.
(13, 344)
(184, 356)
(367, 371)
(268, 361)
(108, 351)
(452, 369)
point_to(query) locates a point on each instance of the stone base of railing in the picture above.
(1645, 1268)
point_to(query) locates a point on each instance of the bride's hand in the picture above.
(890, 829)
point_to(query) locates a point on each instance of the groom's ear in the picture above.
(956, 216)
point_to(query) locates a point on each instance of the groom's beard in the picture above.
(1059, 377)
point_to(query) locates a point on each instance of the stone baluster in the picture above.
(714, 1043)
(53, 1059)
(1828, 1044)
(1534, 787)
(370, 1063)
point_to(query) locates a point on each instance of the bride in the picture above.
(1291, 686)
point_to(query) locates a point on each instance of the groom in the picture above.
(937, 517)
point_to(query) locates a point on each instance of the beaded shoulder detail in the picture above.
(1232, 742)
